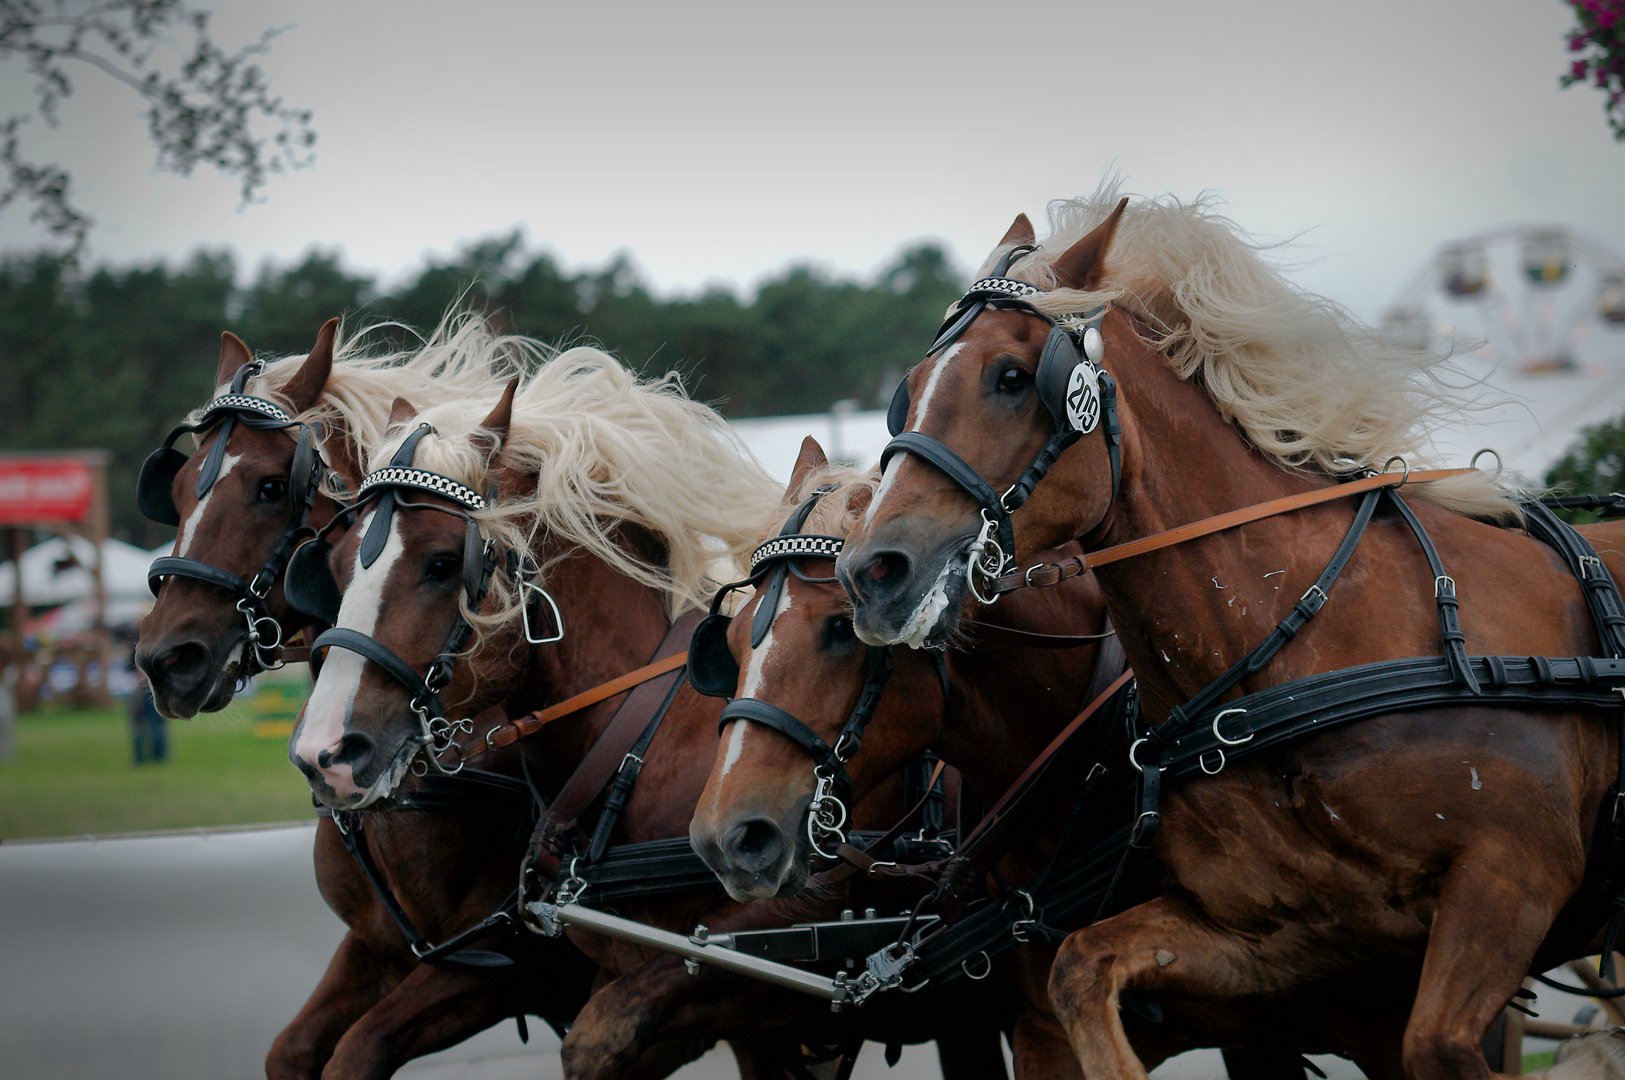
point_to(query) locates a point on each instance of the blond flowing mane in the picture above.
(1302, 380)
(606, 449)
(837, 512)
(460, 359)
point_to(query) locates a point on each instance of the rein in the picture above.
(511, 732)
(1233, 518)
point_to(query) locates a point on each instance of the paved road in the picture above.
(179, 957)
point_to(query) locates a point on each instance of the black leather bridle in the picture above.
(1075, 389)
(312, 588)
(713, 670)
(155, 497)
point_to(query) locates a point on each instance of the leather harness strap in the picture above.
(511, 732)
(603, 761)
(1220, 522)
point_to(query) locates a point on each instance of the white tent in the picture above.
(57, 572)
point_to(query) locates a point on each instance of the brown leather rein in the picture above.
(1045, 574)
(532, 722)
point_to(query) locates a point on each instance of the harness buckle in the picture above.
(1217, 734)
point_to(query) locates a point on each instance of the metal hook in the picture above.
(531, 587)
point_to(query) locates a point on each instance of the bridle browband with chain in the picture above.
(1075, 389)
(312, 589)
(155, 498)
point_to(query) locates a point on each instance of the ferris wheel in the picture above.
(1524, 299)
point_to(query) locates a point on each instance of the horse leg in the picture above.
(1159, 945)
(1473, 966)
(432, 1008)
(355, 980)
(1038, 1049)
(659, 1002)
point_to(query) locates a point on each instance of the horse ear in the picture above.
(1083, 264)
(233, 355)
(809, 461)
(1021, 232)
(306, 385)
(401, 412)
(495, 427)
(859, 498)
(339, 451)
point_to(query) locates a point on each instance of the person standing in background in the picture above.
(146, 724)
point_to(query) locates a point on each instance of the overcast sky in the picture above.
(718, 142)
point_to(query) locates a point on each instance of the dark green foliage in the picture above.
(115, 358)
(1594, 466)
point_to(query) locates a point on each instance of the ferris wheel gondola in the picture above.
(1526, 299)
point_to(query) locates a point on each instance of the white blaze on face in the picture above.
(183, 541)
(333, 698)
(920, 411)
(752, 684)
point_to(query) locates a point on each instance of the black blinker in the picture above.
(1055, 365)
(897, 413)
(712, 669)
(309, 584)
(154, 487)
(477, 565)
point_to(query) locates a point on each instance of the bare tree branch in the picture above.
(205, 105)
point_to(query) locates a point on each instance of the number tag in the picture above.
(1083, 398)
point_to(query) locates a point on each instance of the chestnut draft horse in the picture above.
(254, 486)
(1145, 369)
(751, 824)
(377, 1006)
(619, 494)
(1010, 692)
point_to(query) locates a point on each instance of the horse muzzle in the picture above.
(905, 589)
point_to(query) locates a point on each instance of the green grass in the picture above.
(1535, 1063)
(73, 773)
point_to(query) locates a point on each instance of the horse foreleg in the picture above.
(1476, 960)
(355, 980)
(1039, 1049)
(1159, 945)
(657, 1003)
(432, 1008)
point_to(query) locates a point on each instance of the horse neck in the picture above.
(1188, 611)
(1006, 703)
(612, 625)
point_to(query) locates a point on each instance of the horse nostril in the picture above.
(886, 568)
(179, 668)
(352, 750)
(756, 844)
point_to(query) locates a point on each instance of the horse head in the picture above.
(401, 578)
(1014, 381)
(777, 771)
(239, 501)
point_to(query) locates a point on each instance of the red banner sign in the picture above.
(42, 490)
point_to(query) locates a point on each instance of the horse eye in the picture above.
(839, 630)
(441, 568)
(1013, 378)
(272, 490)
